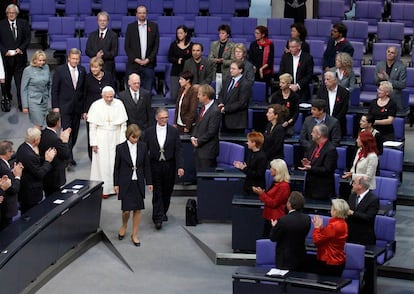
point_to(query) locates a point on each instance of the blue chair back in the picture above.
(265, 253)
(229, 152)
(354, 267)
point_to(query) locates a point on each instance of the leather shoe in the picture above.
(73, 163)
(120, 237)
(165, 218)
(135, 243)
(158, 226)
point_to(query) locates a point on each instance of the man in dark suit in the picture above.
(166, 159)
(234, 99)
(320, 166)
(336, 98)
(67, 95)
(337, 43)
(318, 116)
(301, 63)
(15, 38)
(290, 233)
(137, 102)
(395, 72)
(56, 177)
(9, 207)
(103, 43)
(363, 206)
(201, 68)
(142, 41)
(35, 169)
(205, 136)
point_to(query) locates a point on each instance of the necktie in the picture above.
(14, 31)
(73, 76)
(135, 98)
(101, 36)
(203, 109)
(357, 200)
(231, 85)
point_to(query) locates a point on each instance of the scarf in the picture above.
(266, 51)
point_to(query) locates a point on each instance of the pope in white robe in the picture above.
(107, 119)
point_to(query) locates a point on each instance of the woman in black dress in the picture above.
(284, 96)
(275, 133)
(298, 31)
(179, 52)
(131, 168)
(383, 109)
(95, 81)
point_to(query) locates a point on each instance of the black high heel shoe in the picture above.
(120, 237)
(135, 243)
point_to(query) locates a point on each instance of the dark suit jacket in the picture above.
(304, 72)
(123, 168)
(273, 144)
(290, 233)
(64, 96)
(341, 104)
(332, 49)
(31, 185)
(188, 110)
(22, 41)
(207, 132)
(334, 131)
(320, 181)
(55, 178)
(133, 46)
(236, 103)
(109, 46)
(139, 113)
(202, 72)
(361, 223)
(172, 145)
(9, 207)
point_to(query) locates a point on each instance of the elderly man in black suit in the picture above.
(142, 40)
(103, 43)
(299, 65)
(67, 95)
(9, 207)
(166, 160)
(35, 169)
(234, 99)
(320, 166)
(319, 116)
(56, 177)
(205, 136)
(290, 233)
(137, 102)
(336, 98)
(15, 38)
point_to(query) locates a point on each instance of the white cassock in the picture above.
(107, 126)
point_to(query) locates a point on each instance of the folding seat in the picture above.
(90, 25)
(385, 234)
(171, 114)
(97, 5)
(318, 29)
(369, 11)
(379, 51)
(399, 128)
(121, 59)
(24, 5)
(333, 10)
(317, 48)
(390, 32)
(391, 163)
(79, 43)
(206, 42)
(341, 161)
(357, 31)
(243, 27)
(223, 9)
(279, 28)
(298, 125)
(40, 11)
(350, 117)
(368, 86)
(163, 65)
(386, 189)
(125, 21)
(358, 57)
(167, 25)
(354, 267)
(206, 26)
(288, 151)
(79, 9)
(259, 92)
(242, 6)
(154, 8)
(116, 9)
(403, 13)
(265, 253)
(188, 9)
(229, 152)
(280, 45)
(410, 87)
(59, 29)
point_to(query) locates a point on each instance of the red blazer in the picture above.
(275, 201)
(330, 241)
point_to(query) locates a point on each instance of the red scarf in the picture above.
(266, 51)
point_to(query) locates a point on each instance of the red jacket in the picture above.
(275, 201)
(330, 241)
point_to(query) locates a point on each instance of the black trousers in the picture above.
(163, 179)
(71, 121)
(14, 66)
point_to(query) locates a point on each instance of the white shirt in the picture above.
(179, 120)
(75, 70)
(7, 163)
(104, 33)
(15, 26)
(161, 135)
(142, 28)
(295, 65)
(362, 195)
(133, 154)
(207, 106)
(132, 94)
(332, 99)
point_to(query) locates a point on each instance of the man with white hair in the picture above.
(35, 169)
(107, 119)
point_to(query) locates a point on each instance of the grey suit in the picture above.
(397, 78)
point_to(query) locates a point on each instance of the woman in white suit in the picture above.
(366, 159)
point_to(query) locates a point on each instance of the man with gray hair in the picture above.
(395, 72)
(320, 166)
(35, 169)
(107, 120)
(363, 206)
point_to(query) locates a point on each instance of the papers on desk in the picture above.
(394, 144)
(305, 105)
(277, 272)
(58, 201)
